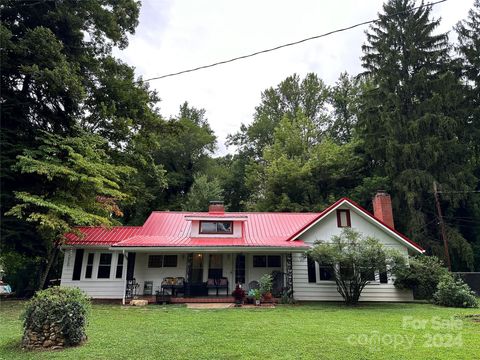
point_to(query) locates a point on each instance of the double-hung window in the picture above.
(104, 266)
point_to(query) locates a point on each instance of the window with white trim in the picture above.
(343, 218)
(270, 261)
(89, 267)
(119, 271)
(104, 266)
(158, 261)
(216, 227)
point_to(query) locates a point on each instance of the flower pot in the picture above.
(267, 297)
(257, 302)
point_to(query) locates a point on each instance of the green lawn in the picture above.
(307, 331)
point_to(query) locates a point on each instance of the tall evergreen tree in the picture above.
(412, 123)
(468, 48)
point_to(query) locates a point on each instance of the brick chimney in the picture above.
(382, 207)
(216, 207)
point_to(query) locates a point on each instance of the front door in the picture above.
(197, 269)
(215, 266)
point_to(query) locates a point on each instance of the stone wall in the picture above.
(48, 336)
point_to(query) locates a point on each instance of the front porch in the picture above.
(201, 276)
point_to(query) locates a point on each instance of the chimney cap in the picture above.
(216, 202)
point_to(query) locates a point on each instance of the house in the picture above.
(238, 248)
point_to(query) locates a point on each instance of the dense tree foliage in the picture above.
(413, 124)
(71, 110)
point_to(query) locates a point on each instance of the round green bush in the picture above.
(65, 308)
(453, 292)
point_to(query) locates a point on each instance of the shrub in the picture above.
(56, 314)
(266, 284)
(238, 293)
(453, 292)
(354, 258)
(422, 275)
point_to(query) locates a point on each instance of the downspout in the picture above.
(125, 281)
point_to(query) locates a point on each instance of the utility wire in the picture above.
(286, 45)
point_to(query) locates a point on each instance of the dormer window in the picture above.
(216, 227)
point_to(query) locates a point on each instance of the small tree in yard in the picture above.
(354, 259)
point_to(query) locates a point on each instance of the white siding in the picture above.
(111, 288)
(143, 273)
(327, 291)
(255, 273)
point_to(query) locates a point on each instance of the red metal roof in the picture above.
(173, 229)
(260, 230)
(99, 236)
(369, 215)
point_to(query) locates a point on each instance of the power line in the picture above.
(285, 45)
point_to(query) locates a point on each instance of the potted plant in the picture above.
(251, 296)
(239, 295)
(257, 295)
(266, 287)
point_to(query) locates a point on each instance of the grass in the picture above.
(308, 331)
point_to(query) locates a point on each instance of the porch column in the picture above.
(188, 267)
(289, 269)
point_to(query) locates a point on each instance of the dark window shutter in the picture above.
(131, 265)
(312, 276)
(77, 265)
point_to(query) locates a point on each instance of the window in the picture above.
(312, 276)
(158, 261)
(155, 261)
(368, 275)
(383, 276)
(104, 266)
(267, 261)
(89, 268)
(216, 227)
(119, 272)
(343, 218)
(274, 261)
(77, 265)
(259, 261)
(326, 272)
(169, 260)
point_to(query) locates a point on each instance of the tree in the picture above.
(354, 258)
(344, 98)
(59, 76)
(289, 97)
(468, 31)
(411, 119)
(302, 170)
(201, 193)
(76, 186)
(183, 148)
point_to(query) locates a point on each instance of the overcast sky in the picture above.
(177, 35)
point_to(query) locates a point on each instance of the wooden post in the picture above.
(290, 273)
(442, 226)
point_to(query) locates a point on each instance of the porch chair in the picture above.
(253, 285)
(217, 284)
(168, 283)
(179, 286)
